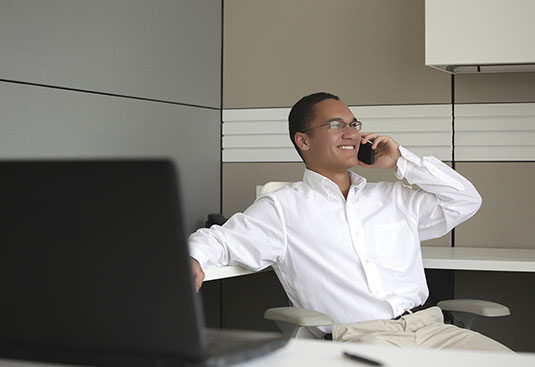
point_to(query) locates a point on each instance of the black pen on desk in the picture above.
(362, 359)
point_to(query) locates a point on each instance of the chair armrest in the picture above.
(475, 306)
(298, 316)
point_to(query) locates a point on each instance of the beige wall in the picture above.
(372, 53)
(506, 215)
(495, 88)
(367, 52)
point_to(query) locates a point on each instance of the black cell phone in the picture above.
(366, 154)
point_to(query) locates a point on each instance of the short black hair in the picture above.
(302, 113)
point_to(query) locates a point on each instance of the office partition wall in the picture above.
(115, 78)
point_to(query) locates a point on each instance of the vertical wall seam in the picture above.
(221, 109)
(453, 140)
(221, 148)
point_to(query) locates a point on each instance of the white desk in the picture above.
(318, 353)
(450, 258)
(479, 258)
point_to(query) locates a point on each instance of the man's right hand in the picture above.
(198, 274)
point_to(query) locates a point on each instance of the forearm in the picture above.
(448, 198)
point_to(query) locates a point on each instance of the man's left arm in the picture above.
(446, 198)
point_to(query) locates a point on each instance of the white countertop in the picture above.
(479, 258)
(450, 258)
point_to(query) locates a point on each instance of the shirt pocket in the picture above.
(395, 245)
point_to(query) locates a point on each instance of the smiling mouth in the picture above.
(346, 147)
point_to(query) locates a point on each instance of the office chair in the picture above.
(295, 321)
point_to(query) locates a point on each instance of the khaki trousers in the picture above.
(424, 329)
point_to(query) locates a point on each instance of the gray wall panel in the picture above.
(42, 122)
(161, 49)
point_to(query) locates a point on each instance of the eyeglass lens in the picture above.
(340, 125)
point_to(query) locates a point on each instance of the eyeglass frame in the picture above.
(343, 125)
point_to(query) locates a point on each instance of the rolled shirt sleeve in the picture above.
(254, 239)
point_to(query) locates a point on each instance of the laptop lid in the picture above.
(94, 265)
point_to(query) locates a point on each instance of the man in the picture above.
(347, 248)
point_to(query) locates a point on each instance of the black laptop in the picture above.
(94, 269)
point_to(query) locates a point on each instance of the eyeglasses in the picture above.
(338, 125)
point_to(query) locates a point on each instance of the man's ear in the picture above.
(301, 139)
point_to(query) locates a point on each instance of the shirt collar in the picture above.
(328, 188)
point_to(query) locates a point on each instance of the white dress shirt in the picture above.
(355, 259)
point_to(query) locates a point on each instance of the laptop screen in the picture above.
(94, 260)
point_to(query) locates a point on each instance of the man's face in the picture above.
(331, 150)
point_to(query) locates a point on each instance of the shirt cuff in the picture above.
(406, 157)
(196, 253)
(429, 164)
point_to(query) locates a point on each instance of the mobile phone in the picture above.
(366, 154)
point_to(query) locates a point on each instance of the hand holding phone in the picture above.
(366, 154)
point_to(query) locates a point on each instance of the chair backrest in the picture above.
(270, 187)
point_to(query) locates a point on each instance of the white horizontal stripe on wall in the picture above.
(495, 132)
(261, 135)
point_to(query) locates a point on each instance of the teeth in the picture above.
(346, 147)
